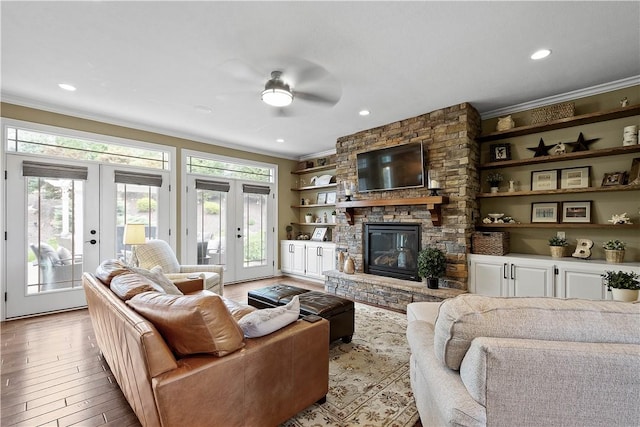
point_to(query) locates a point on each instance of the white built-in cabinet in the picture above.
(540, 276)
(307, 258)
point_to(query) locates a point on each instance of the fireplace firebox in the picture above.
(391, 249)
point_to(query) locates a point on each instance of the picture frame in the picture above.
(544, 180)
(576, 212)
(575, 177)
(331, 197)
(614, 178)
(500, 152)
(544, 212)
(319, 234)
(321, 199)
(634, 174)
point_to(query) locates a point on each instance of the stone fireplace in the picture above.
(391, 249)
(448, 138)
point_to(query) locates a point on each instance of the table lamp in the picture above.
(134, 234)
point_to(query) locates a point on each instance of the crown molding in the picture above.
(564, 97)
(319, 154)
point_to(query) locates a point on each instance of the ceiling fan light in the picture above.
(277, 97)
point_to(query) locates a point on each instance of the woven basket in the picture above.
(553, 112)
(614, 256)
(490, 243)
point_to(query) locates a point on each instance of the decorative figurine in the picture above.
(541, 149)
(505, 123)
(620, 219)
(582, 144)
(583, 249)
(624, 102)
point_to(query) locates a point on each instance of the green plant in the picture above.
(432, 263)
(333, 213)
(558, 241)
(615, 245)
(288, 228)
(621, 280)
(494, 178)
(146, 204)
(211, 208)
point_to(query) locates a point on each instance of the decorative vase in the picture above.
(333, 219)
(349, 265)
(627, 295)
(614, 256)
(308, 218)
(340, 261)
(557, 251)
(432, 282)
(494, 189)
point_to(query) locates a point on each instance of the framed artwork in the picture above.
(544, 212)
(322, 199)
(575, 177)
(634, 175)
(614, 178)
(576, 212)
(544, 180)
(319, 234)
(331, 197)
(500, 152)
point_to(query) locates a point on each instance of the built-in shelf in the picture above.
(322, 205)
(558, 225)
(315, 187)
(561, 191)
(563, 157)
(433, 204)
(583, 119)
(314, 169)
(315, 224)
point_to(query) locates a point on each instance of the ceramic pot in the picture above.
(308, 218)
(494, 189)
(349, 265)
(340, 261)
(614, 256)
(557, 251)
(432, 282)
(627, 295)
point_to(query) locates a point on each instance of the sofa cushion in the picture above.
(191, 324)
(465, 317)
(110, 268)
(129, 284)
(268, 320)
(156, 276)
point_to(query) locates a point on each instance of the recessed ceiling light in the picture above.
(540, 54)
(364, 112)
(279, 140)
(67, 86)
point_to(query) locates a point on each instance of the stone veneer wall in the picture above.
(448, 136)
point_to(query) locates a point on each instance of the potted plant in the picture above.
(494, 179)
(614, 251)
(557, 246)
(289, 229)
(623, 285)
(308, 218)
(431, 265)
(333, 217)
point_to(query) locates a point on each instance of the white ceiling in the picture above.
(196, 69)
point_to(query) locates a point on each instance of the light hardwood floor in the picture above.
(53, 374)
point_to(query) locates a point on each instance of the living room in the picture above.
(323, 123)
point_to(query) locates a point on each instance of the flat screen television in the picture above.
(400, 166)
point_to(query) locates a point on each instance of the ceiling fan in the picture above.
(278, 93)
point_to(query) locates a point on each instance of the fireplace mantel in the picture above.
(433, 204)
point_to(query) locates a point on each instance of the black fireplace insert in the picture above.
(391, 249)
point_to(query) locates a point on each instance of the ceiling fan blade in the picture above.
(242, 71)
(281, 112)
(327, 100)
(310, 75)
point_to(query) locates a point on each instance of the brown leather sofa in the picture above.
(268, 381)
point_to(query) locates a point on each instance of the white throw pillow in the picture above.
(268, 320)
(156, 276)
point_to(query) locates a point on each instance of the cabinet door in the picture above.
(298, 258)
(328, 261)
(487, 277)
(286, 256)
(530, 280)
(576, 282)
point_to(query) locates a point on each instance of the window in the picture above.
(226, 169)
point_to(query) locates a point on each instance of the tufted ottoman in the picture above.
(338, 311)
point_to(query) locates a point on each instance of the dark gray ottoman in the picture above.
(338, 311)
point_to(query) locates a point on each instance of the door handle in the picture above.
(504, 266)
(513, 271)
(238, 235)
(92, 241)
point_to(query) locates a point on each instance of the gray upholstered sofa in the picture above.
(480, 361)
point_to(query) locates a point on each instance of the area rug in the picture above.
(368, 378)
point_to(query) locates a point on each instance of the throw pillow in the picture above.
(191, 324)
(268, 320)
(48, 254)
(109, 269)
(128, 285)
(156, 276)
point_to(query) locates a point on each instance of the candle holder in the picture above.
(434, 191)
(432, 183)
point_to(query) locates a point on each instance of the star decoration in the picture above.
(541, 149)
(581, 144)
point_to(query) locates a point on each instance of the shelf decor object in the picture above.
(498, 152)
(544, 180)
(575, 177)
(552, 112)
(490, 242)
(581, 144)
(576, 212)
(544, 212)
(614, 178)
(542, 149)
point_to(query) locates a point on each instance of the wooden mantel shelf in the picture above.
(433, 204)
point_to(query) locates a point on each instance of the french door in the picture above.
(64, 217)
(230, 222)
(53, 233)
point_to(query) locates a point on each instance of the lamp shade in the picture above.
(277, 97)
(134, 234)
